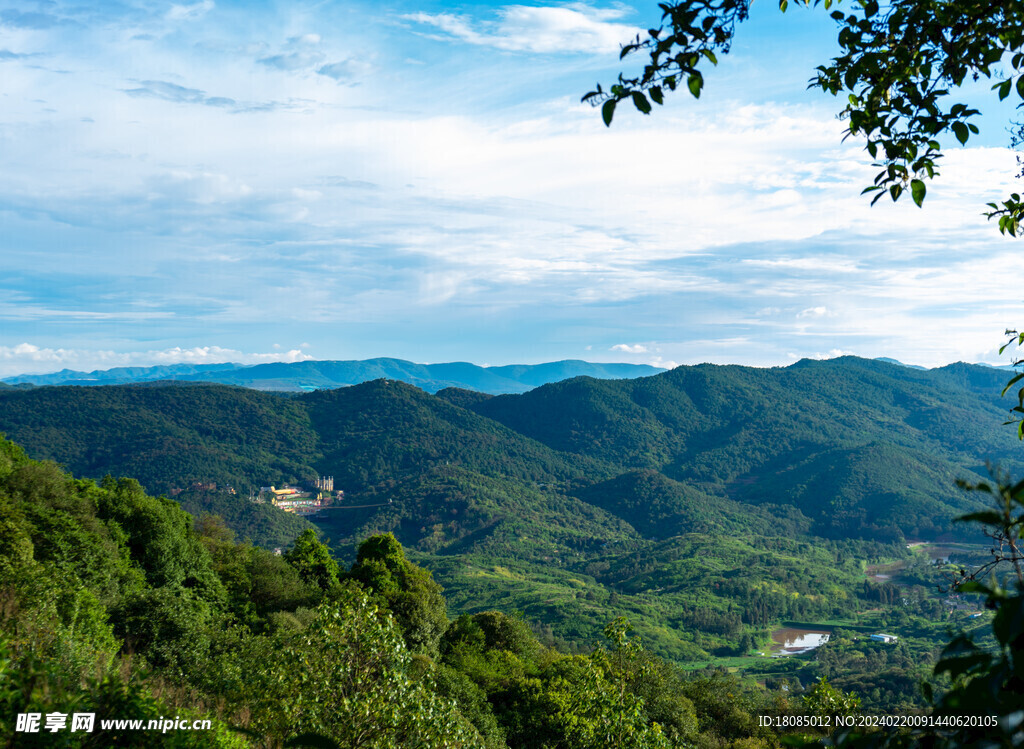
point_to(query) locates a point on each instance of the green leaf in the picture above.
(917, 191)
(1016, 378)
(1004, 88)
(1008, 624)
(1020, 86)
(963, 664)
(608, 111)
(986, 517)
(971, 586)
(694, 83)
(641, 103)
(961, 132)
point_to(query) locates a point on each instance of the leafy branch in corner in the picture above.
(899, 65)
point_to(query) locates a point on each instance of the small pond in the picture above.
(791, 641)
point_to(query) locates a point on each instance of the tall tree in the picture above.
(409, 591)
(313, 560)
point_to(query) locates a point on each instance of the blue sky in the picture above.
(244, 181)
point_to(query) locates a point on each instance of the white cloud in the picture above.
(663, 363)
(197, 187)
(637, 348)
(522, 28)
(814, 312)
(345, 71)
(216, 354)
(811, 264)
(191, 12)
(834, 353)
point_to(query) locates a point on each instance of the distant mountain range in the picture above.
(888, 360)
(320, 375)
(307, 376)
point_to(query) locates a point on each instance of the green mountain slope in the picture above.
(387, 430)
(171, 435)
(799, 435)
(450, 510)
(659, 507)
(165, 436)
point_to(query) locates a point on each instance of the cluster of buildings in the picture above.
(300, 501)
(318, 494)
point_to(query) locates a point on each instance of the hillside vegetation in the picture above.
(707, 503)
(119, 605)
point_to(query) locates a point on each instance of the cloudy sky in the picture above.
(254, 181)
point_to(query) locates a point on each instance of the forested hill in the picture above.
(853, 443)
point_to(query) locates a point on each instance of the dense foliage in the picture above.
(261, 523)
(116, 603)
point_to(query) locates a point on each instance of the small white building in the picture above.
(888, 639)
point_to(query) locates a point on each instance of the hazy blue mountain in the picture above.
(535, 375)
(319, 375)
(121, 375)
(888, 360)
